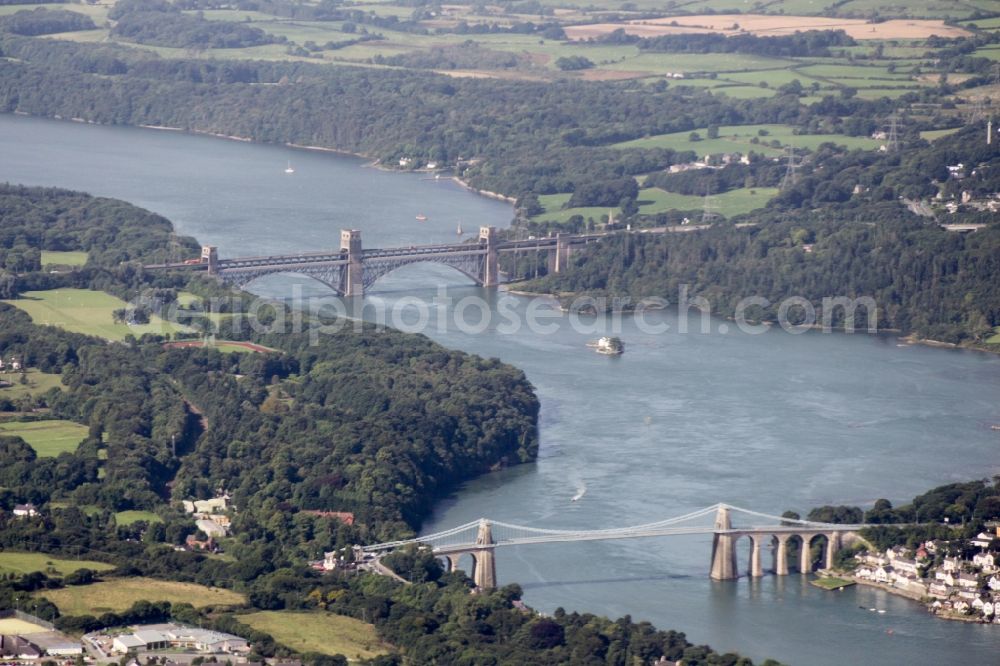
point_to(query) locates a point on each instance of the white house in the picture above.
(25, 510)
(985, 560)
(993, 583)
(880, 575)
(951, 564)
(967, 580)
(940, 590)
(905, 565)
(945, 577)
(988, 608)
(982, 540)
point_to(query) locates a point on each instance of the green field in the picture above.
(53, 258)
(47, 438)
(739, 138)
(22, 563)
(832, 583)
(87, 312)
(324, 633)
(119, 595)
(129, 517)
(653, 200)
(38, 382)
(734, 202)
(995, 338)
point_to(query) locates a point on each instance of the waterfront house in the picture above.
(881, 575)
(960, 606)
(988, 608)
(863, 572)
(940, 590)
(967, 580)
(905, 565)
(951, 564)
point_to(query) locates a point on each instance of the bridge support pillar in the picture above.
(723, 548)
(352, 282)
(452, 562)
(781, 557)
(210, 257)
(562, 253)
(805, 557)
(491, 266)
(756, 567)
(485, 576)
(832, 547)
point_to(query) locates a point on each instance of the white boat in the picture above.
(609, 345)
(289, 168)
(459, 230)
(421, 218)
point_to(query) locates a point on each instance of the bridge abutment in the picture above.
(832, 547)
(805, 554)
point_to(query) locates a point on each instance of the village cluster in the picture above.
(952, 586)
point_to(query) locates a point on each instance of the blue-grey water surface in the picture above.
(770, 422)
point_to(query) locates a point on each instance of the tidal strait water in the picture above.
(769, 422)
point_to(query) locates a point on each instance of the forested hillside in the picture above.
(823, 238)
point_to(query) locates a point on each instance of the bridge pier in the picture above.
(756, 568)
(781, 556)
(353, 281)
(723, 548)
(805, 556)
(491, 265)
(832, 547)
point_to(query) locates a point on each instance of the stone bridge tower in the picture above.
(485, 575)
(353, 282)
(723, 547)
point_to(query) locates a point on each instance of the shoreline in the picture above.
(918, 598)
(373, 163)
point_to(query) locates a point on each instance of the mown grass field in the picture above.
(324, 633)
(119, 594)
(129, 517)
(47, 438)
(85, 311)
(23, 563)
(653, 200)
(53, 258)
(38, 382)
(739, 138)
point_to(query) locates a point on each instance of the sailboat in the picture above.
(289, 168)
(459, 230)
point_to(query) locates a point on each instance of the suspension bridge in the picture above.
(481, 538)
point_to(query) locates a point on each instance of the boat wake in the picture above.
(581, 490)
